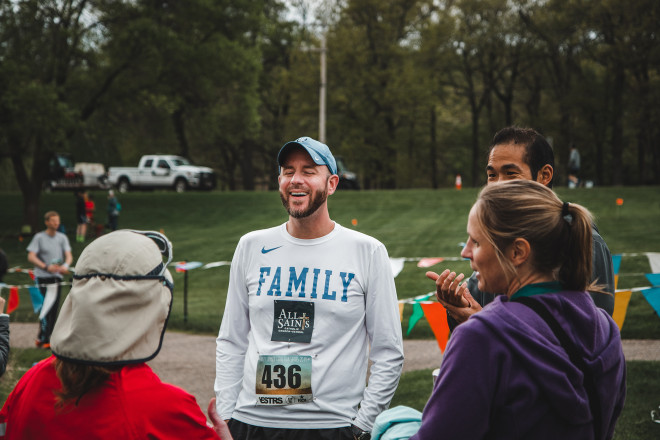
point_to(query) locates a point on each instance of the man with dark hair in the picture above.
(518, 153)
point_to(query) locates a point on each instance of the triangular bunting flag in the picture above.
(49, 300)
(417, 314)
(654, 278)
(653, 298)
(436, 315)
(13, 299)
(621, 300)
(397, 265)
(654, 261)
(428, 262)
(36, 297)
(616, 263)
(401, 304)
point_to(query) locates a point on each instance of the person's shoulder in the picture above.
(259, 234)
(357, 236)
(61, 237)
(36, 238)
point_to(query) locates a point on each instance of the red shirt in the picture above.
(132, 404)
(89, 209)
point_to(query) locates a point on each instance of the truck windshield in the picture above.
(65, 162)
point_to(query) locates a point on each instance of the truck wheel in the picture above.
(123, 185)
(180, 185)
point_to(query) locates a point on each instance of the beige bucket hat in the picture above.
(118, 306)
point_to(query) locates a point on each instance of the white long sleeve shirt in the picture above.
(302, 319)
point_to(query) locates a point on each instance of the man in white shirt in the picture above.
(309, 304)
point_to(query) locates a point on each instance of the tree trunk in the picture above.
(476, 160)
(433, 148)
(617, 125)
(247, 168)
(180, 129)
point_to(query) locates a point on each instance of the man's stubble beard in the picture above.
(316, 203)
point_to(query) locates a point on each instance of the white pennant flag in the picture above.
(654, 261)
(49, 300)
(397, 265)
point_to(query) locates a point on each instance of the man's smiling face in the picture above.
(303, 184)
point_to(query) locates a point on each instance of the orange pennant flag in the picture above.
(13, 299)
(31, 274)
(436, 315)
(428, 262)
(621, 300)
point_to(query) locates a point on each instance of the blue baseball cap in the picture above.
(319, 152)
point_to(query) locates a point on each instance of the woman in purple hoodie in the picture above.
(541, 361)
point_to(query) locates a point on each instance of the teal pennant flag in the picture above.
(36, 297)
(654, 279)
(653, 297)
(616, 263)
(417, 314)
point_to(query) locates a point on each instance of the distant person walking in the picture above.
(4, 319)
(50, 252)
(573, 167)
(90, 208)
(81, 216)
(113, 211)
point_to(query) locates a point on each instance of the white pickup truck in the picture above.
(162, 171)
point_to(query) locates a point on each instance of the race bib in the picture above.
(293, 321)
(284, 380)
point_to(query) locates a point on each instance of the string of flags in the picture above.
(436, 315)
(423, 306)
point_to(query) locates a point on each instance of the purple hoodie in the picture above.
(505, 376)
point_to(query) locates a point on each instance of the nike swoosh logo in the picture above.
(265, 251)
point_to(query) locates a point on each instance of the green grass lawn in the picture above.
(411, 223)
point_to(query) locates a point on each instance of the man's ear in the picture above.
(333, 182)
(544, 176)
(519, 251)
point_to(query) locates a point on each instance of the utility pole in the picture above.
(322, 92)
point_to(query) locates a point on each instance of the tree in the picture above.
(52, 80)
(373, 95)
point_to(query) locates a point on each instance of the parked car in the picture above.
(347, 179)
(65, 174)
(162, 171)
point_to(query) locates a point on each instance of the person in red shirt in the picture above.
(97, 383)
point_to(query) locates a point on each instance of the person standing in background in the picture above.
(90, 207)
(4, 318)
(50, 252)
(573, 167)
(113, 211)
(81, 216)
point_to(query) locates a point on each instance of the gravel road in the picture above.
(188, 361)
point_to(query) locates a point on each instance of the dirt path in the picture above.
(188, 361)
